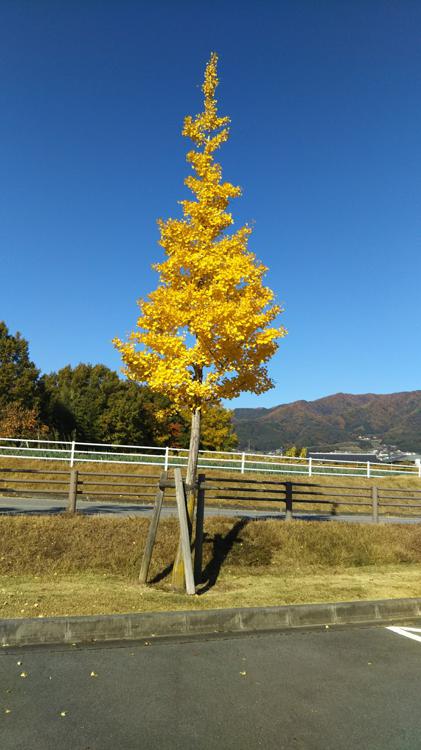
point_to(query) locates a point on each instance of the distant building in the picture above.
(382, 457)
(338, 456)
(397, 456)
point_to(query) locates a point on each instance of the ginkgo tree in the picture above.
(205, 333)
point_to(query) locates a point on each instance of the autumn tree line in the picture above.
(91, 403)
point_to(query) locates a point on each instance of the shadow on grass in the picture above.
(162, 574)
(222, 546)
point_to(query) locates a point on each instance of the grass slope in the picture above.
(86, 565)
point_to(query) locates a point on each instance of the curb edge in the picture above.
(151, 625)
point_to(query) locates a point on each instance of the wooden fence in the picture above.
(369, 499)
(272, 494)
(71, 484)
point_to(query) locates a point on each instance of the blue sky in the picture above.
(325, 141)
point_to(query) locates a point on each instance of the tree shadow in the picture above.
(162, 574)
(222, 546)
(166, 571)
(13, 511)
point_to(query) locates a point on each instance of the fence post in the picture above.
(243, 462)
(310, 466)
(368, 469)
(375, 501)
(288, 501)
(167, 453)
(418, 462)
(72, 454)
(71, 506)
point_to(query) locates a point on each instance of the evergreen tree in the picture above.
(92, 404)
(19, 378)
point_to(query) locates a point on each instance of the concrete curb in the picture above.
(101, 628)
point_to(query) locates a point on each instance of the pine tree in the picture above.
(205, 332)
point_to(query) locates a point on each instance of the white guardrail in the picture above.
(75, 452)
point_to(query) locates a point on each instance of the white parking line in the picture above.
(407, 632)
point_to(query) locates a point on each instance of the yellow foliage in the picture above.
(217, 429)
(205, 333)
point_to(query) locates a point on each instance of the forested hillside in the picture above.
(336, 420)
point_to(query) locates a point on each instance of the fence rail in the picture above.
(372, 500)
(249, 492)
(75, 453)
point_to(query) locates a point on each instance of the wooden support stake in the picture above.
(375, 501)
(198, 544)
(153, 527)
(71, 505)
(184, 532)
(178, 574)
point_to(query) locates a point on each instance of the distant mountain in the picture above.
(336, 421)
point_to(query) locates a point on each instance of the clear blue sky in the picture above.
(325, 100)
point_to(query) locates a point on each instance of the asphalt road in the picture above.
(335, 689)
(41, 506)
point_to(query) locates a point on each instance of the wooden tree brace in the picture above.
(198, 544)
(153, 527)
(184, 532)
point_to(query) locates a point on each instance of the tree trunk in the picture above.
(178, 569)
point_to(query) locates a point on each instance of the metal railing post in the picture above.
(239, 461)
(72, 454)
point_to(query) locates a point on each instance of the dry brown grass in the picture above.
(102, 593)
(72, 544)
(68, 565)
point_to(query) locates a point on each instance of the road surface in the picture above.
(323, 689)
(41, 506)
